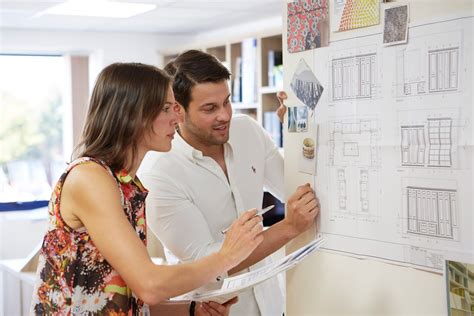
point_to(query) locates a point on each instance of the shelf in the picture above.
(243, 106)
(256, 67)
(218, 51)
(268, 90)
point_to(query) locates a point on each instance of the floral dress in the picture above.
(73, 276)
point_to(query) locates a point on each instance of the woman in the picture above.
(93, 258)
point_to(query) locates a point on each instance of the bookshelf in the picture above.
(257, 75)
(460, 288)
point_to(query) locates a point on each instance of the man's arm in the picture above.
(175, 220)
(302, 208)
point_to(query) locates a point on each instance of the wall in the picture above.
(328, 283)
(102, 48)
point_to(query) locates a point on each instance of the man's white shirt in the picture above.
(191, 201)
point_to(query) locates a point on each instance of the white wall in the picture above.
(103, 48)
(333, 284)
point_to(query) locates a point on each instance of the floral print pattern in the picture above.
(73, 276)
(304, 25)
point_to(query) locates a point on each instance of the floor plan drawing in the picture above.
(431, 65)
(354, 159)
(350, 193)
(354, 142)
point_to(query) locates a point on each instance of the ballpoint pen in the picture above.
(261, 212)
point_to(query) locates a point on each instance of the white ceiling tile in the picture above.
(170, 16)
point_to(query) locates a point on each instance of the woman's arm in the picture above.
(182, 308)
(91, 196)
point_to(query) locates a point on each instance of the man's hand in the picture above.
(281, 96)
(302, 209)
(215, 309)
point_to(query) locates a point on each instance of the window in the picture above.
(31, 129)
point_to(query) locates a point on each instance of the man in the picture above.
(216, 170)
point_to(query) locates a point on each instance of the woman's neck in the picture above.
(134, 164)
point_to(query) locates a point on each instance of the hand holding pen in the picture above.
(259, 213)
(243, 236)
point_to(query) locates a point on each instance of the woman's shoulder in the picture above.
(90, 175)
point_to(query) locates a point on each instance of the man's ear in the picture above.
(179, 110)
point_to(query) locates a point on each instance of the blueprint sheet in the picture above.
(395, 161)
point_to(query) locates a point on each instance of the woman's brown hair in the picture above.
(127, 97)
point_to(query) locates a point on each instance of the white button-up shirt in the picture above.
(190, 200)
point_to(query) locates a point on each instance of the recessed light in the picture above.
(99, 8)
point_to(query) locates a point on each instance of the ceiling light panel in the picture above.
(99, 8)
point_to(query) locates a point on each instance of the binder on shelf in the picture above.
(272, 124)
(275, 68)
(249, 71)
(237, 82)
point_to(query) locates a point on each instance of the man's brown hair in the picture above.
(193, 67)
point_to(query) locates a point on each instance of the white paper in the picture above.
(230, 287)
(395, 165)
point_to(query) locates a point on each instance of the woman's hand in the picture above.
(214, 309)
(243, 236)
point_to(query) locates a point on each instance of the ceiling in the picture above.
(170, 16)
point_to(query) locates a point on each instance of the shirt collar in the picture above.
(189, 151)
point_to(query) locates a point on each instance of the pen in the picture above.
(261, 212)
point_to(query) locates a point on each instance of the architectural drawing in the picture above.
(341, 181)
(431, 211)
(413, 145)
(350, 192)
(364, 190)
(430, 208)
(429, 66)
(439, 143)
(397, 145)
(354, 142)
(432, 141)
(353, 77)
(439, 136)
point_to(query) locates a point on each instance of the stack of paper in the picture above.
(230, 287)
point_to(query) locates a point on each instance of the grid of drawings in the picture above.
(359, 13)
(439, 136)
(443, 69)
(431, 211)
(353, 77)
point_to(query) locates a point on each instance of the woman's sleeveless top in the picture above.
(73, 277)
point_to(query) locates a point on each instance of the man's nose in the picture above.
(223, 114)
